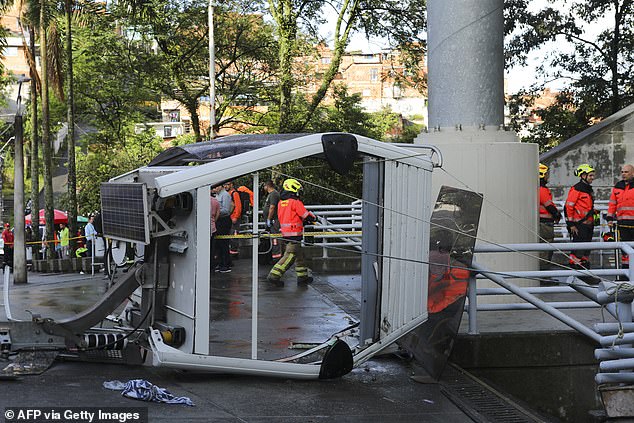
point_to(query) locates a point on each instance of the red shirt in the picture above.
(7, 237)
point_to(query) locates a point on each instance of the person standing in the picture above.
(215, 214)
(621, 209)
(292, 216)
(223, 227)
(235, 216)
(91, 235)
(270, 214)
(7, 237)
(580, 214)
(548, 216)
(64, 235)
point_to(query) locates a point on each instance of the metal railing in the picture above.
(616, 354)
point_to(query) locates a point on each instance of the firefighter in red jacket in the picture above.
(621, 208)
(292, 216)
(580, 214)
(548, 216)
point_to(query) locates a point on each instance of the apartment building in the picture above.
(381, 79)
(14, 60)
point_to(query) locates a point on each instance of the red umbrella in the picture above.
(59, 217)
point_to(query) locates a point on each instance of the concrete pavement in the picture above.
(381, 390)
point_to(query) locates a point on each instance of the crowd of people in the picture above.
(37, 245)
(581, 216)
(284, 215)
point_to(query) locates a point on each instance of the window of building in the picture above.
(374, 74)
(167, 131)
(396, 91)
(174, 116)
(10, 52)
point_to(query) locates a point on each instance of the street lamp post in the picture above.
(19, 251)
(212, 73)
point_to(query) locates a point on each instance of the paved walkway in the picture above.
(381, 390)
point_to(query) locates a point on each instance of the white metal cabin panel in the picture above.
(203, 249)
(231, 167)
(405, 247)
(181, 292)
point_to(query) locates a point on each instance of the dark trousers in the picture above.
(223, 227)
(626, 234)
(547, 234)
(584, 234)
(8, 256)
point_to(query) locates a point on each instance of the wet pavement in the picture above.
(382, 389)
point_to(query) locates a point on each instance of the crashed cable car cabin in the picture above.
(166, 207)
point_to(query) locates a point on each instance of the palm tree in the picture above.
(72, 175)
(47, 156)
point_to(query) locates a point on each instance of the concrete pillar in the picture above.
(466, 63)
(466, 117)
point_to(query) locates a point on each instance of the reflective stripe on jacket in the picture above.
(291, 214)
(580, 204)
(621, 205)
(545, 200)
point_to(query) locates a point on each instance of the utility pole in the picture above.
(19, 247)
(212, 72)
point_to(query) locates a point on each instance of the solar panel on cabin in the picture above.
(124, 212)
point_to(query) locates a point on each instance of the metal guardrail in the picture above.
(616, 354)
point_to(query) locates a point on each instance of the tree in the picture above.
(70, 121)
(47, 155)
(172, 44)
(402, 22)
(106, 160)
(112, 91)
(599, 69)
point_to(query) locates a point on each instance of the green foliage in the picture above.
(399, 21)
(598, 70)
(184, 139)
(111, 89)
(106, 160)
(345, 115)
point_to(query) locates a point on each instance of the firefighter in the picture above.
(292, 216)
(580, 214)
(621, 208)
(548, 216)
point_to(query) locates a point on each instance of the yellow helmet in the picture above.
(291, 185)
(543, 170)
(583, 168)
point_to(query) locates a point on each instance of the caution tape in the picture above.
(50, 241)
(306, 234)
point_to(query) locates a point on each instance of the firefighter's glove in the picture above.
(310, 220)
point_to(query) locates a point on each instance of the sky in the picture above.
(517, 77)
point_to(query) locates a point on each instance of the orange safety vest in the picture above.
(580, 204)
(291, 214)
(545, 200)
(621, 205)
